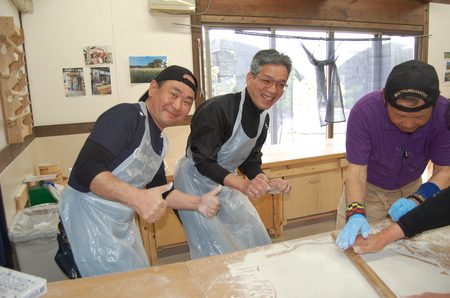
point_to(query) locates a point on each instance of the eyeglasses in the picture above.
(267, 83)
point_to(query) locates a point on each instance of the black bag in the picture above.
(64, 256)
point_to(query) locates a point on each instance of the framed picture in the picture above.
(95, 55)
(144, 69)
(73, 81)
(101, 80)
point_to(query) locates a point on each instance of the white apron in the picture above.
(237, 225)
(102, 233)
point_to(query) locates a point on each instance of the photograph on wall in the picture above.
(446, 67)
(100, 80)
(143, 69)
(94, 55)
(73, 79)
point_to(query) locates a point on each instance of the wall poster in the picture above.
(143, 69)
(73, 81)
(94, 55)
(446, 67)
(100, 80)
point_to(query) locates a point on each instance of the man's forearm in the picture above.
(109, 186)
(441, 176)
(355, 189)
(234, 182)
(392, 233)
(179, 200)
(355, 183)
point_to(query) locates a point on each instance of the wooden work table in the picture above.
(173, 280)
(241, 274)
(249, 273)
(315, 169)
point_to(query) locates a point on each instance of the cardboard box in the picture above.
(15, 284)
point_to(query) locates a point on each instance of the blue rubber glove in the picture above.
(400, 208)
(357, 223)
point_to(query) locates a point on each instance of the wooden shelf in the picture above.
(13, 95)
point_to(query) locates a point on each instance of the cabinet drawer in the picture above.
(168, 230)
(312, 193)
(264, 206)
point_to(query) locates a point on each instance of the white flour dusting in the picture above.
(315, 267)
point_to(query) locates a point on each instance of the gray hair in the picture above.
(271, 56)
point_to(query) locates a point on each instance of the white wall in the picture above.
(58, 29)
(439, 41)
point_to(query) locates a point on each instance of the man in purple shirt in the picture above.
(392, 134)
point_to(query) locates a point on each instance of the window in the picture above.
(364, 66)
(362, 63)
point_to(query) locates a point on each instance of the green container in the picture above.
(40, 194)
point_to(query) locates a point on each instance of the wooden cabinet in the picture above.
(264, 206)
(315, 192)
(315, 172)
(168, 230)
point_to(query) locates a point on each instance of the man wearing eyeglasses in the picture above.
(228, 132)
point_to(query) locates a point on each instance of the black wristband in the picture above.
(417, 197)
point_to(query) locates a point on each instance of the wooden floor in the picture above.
(291, 231)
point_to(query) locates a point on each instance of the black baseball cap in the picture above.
(174, 72)
(412, 78)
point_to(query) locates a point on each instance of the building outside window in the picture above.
(362, 62)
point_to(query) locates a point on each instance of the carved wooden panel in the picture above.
(13, 95)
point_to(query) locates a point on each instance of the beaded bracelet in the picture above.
(419, 198)
(355, 208)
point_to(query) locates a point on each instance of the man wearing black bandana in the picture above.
(120, 171)
(392, 134)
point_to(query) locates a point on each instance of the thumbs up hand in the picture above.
(151, 206)
(209, 203)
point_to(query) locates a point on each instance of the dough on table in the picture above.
(321, 270)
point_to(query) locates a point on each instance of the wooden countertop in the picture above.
(173, 280)
(281, 155)
(239, 274)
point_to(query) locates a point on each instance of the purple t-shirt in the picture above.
(395, 158)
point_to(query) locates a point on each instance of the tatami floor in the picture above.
(291, 231)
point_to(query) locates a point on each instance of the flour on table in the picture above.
(431, 246)
(321, 270)
(408, 276)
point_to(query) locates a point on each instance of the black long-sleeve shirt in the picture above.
(431, 214)
(115, 136)
(212, 125)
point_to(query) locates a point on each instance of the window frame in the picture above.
(206, 78)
